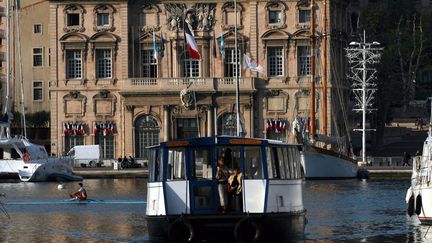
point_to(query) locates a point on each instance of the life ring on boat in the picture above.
(26, 157)
(418, 204)
(410, 209)
(181, 230)
(247, 229)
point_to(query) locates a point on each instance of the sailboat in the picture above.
(19, 158)
(320, 162)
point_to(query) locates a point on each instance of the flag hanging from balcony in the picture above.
(222, 45)
(252, 64)
(162, 46)
(191, 44)
(155, 50)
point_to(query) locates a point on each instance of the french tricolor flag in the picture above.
(192, 46)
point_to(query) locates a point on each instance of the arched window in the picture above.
(146, 134)
(227, 125)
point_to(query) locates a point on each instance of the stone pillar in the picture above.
(166, 122)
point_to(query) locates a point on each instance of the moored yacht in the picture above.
(419, 195)
(183, 197)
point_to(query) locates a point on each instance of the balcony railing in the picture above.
(152, 85)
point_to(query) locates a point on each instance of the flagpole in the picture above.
(236, 71)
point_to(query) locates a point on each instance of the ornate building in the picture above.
(108, 88)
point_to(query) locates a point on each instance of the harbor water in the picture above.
(342, 210)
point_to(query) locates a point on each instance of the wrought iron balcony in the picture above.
(168, 85)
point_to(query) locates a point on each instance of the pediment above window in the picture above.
(275, 35)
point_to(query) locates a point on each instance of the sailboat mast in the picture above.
(8, 58)
(312, 69)
(324, 81)
(237, 57)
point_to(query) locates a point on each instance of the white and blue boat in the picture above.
(182, 192)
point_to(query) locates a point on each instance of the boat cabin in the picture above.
(183, 178)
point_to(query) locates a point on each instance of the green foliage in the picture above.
(38, 119)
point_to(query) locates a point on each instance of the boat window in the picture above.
(287, 164)
(202, 168)
(294, 157)
(253, 163)
(231, 157)
(281, 164)
(272, 168)
(155, 165)
(176, 164)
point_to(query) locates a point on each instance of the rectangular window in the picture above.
(155, 165)
(72, 141)
(176, 164)
(231, 156)
(37, 90)
(202, 168)
(253, 163)
(73, 64)
(230, 62)
(73, 19)
(103, 63)
(102, 19)
(149, 64)
(304, 16)
(275, 17)
(37, 57)
(191, 68)
(280, 163)
(275, 61)
(303, 60)
(37, 28)
(106, 145)
(187, 127)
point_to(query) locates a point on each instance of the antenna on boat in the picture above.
(236, 72)
(361, 55)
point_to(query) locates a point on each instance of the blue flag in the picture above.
(155, 51)
(222, 45)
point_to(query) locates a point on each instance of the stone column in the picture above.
(166, 122)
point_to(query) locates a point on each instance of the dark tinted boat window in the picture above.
(253, 163)
(281, 163)
(231, 157)
(176, 164)
(201, 164)
(271, 163)
(155, 165)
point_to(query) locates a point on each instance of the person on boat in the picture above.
(81, 194)
(222, 180)
(235, 190)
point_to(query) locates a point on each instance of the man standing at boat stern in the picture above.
(222, 181)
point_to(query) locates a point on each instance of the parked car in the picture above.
(86, 156)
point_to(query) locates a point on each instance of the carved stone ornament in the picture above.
(150, 16)
(200, 16)
(187, 98)
(74, 94)
(272, 92)
(130, 108)
(74, 9)
(203, 108)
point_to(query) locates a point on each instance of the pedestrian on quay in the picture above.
(406, 159)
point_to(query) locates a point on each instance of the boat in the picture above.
(19, 157)
(419, 194)
(330, 160)
(182, 191)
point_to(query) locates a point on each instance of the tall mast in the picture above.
(324, 81)
(236, 71)
(312, 69)
(8, 58)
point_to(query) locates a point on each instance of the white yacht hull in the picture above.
(321, 165)
(9, 168)
(48, 170)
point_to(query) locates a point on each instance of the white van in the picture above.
(86, 156)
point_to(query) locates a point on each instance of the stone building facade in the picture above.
(107, 88)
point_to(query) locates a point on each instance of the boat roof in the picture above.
(220, 140)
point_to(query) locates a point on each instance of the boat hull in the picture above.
(264, 227)
(54, 169)
(9, 168)
(322, 165)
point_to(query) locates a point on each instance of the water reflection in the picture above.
(348, 210)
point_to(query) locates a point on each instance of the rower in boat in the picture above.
(81, 194)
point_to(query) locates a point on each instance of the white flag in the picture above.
(250, 63)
